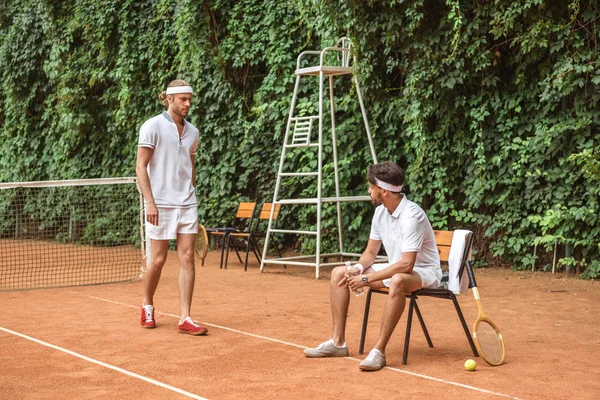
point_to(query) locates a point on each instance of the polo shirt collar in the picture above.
(166, 115)
(401, 205)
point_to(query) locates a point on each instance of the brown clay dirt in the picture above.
(260, 322)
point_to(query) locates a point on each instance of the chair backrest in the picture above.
(265, 212)
(264, 215)
(244, 217)
(443, 239)
(246, 210)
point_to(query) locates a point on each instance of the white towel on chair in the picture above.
(455, 283)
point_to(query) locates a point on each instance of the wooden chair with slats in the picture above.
(444, 242)
(250, 239)
(241, 222)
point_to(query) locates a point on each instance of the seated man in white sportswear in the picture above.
(406, 234)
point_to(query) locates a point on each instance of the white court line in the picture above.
(103, 364)
(205, 323)
(304, 347)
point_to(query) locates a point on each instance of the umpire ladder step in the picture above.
(302, 129)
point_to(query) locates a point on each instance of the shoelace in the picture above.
(149, 315)
(191, 322)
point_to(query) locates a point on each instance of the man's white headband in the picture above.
(387, 186)
(179, 89)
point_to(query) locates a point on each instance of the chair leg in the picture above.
(464, 325)
(247, 251)
(237, 252)
(408, 328)
(363, 333)
(231, 242)
(256, 250)
(276, 245)
(223, 247)
(422, 322)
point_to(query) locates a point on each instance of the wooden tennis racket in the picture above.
(201, 246)
(486, 335)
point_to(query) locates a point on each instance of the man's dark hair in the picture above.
(387, 172)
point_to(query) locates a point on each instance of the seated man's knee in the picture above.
(398, 284)
(337, 274)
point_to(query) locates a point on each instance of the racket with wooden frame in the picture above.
(486, 335)
(201, 246)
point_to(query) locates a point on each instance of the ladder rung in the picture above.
(293, 231)
(284, 262)
(324, 200)
(299, 174)
(344, 199)
(302, 124)
(297, 201)
(305, 118)
(289, 146)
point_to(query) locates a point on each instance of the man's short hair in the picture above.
(387, 172)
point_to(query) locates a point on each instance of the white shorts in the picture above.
(172, 221)
(430, 277)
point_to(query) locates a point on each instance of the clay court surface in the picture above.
(86, 342)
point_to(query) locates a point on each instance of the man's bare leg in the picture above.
(340, 299)
(187, 271)
(400, 285)
(158, 258)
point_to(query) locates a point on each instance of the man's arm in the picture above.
(369, 256)
(404, 266)
(192, 158)
(144, 156)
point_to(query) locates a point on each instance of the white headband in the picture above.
(179, 89)
(388, 186)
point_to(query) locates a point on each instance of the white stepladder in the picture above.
(298, 135)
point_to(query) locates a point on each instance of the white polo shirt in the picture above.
(406, 229)
(170, 168)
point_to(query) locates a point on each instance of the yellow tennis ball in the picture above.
(470, 365)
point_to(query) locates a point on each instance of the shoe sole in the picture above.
(326, 355)
(148, 327)
(199, 333)
(370, 368)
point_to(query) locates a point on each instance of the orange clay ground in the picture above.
(86, 342)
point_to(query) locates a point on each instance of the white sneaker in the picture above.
(374, 361)
(327, 349)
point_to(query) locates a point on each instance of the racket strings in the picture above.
(490, 343)
(201, 243)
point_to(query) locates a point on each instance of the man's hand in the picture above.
(355, 282)
(350, 273)
(152, 213)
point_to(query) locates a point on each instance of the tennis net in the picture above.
(70, 233)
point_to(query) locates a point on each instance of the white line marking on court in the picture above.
(103, 364)
(462, 385)
(206, 323)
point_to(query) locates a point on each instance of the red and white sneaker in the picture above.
(147, 319)
(191, 327)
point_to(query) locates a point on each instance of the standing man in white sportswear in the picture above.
(166, 176)
(406, 234)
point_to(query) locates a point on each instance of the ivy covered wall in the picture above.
(491, 105)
